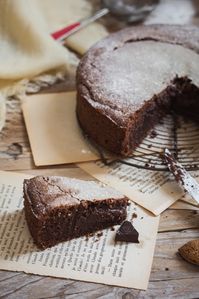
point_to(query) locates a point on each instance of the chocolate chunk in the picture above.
(127, 233)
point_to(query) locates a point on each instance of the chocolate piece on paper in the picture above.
(127, 233)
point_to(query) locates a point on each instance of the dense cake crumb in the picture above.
(134, 215)
(100, 234)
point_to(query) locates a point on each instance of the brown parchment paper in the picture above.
(54, 134)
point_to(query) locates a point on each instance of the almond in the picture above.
(190, 252)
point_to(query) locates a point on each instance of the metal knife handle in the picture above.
(188, 183)
(63, 33)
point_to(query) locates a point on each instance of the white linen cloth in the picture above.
(26, 48)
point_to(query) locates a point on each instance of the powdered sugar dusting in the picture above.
(85, 190)
(55, 191)
(136, 71)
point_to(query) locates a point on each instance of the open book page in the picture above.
(153, 190)
(95, 259)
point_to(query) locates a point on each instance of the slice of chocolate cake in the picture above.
(59, 208)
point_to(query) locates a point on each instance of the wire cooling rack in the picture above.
(180, 136)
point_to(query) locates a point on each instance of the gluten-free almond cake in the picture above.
(127, 82)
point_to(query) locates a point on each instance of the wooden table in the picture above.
(170, 275)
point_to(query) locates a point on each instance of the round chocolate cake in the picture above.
(127, 82)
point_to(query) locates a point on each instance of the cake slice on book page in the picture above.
(58, 209)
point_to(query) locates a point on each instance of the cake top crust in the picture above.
(128, 68)
(46, 193)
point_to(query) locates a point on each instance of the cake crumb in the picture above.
(127, 233)
(100, 234)
(96, 240)
(89, 236)
(153, 134)
(134, 215)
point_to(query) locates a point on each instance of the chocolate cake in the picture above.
(59, 209)
(127, 82)
(127, 233)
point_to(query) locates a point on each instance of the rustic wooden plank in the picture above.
(185, 288)
(4, 275)
(59, 288)
(67, 85)
(172, 220)
(18, 281)
(15, 150)
(170, 276)
(167, 264)
(182, 205)
(43, 288)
